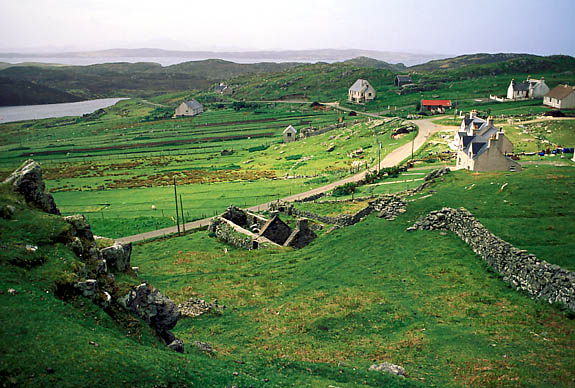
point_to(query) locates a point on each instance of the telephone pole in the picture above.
(177, 213)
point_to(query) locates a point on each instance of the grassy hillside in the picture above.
(15, 92)
(50, 337)
(130, 79)
(422, 300)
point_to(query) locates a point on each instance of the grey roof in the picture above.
(521, 87)
(193, 104)
(359, 86)
(219, 88)
(403, 78)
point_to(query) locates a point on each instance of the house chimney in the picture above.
(490, 121)
(473, 114)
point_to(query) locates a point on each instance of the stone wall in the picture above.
(227, 234)
(387, 206)
(520, 269)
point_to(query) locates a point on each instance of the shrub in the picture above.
(294, 157)
(346, 189)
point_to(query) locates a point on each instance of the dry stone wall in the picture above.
(520, 269)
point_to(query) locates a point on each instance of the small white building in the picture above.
(223, 89)
(561, 97)
(531, 88)
(361, 91)
(483, 147)
(189, 108)
(289, 134)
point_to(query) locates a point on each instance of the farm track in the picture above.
(426, 129)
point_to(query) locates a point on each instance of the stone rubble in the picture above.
(521, 270)
(195, 307)
(387, 367)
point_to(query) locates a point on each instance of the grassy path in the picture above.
(426, 129)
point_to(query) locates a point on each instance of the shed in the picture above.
(289, 134)
(435, 106)
(401, 80)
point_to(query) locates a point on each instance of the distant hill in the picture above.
(499, 63)
(16, 92)
(374, 63)
(126, 79)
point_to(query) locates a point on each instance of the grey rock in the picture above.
(27, 179)
(177, 345)
(7, 212)
(204, 347)
(387, 367)
(117, 256)
(159, 311)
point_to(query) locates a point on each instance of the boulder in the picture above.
(7, 212)
(27, 179)
(159, 311)
(204, 347)
(118, 256)
(177, 345)
(387, 367)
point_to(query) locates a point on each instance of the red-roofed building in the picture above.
(435, 106)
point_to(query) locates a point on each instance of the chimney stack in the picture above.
(473, 114)
(490, 121)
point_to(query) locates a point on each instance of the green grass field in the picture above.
(422, 299)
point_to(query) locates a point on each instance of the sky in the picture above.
(416, 26)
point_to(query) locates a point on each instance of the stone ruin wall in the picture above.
(518, 268)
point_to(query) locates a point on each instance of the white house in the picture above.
(361, 91)
(561, 97)
(531, 88)
(483, 147)
(289, 134)
(189, 108)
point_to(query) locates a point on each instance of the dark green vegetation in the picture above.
(17, 92)
(120, 79)
(422, 299)
(50, 337)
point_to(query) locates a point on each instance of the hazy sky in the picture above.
(435, 26)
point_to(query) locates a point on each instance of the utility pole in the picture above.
(177, 213)
(412, 146)
(183, 219)
(379, 158)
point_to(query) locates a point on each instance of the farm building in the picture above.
(289, 134)
(483, 147)
(561, 97)
(223, 89)
(401, 80)
(435, 106)
(531, 88)
(189, 108)
(361, 91)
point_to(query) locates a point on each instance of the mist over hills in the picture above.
(321, 55)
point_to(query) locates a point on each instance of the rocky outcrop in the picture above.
(159, 311)
(518, 268)
(118, 256)
(27, 180)
(430, 179)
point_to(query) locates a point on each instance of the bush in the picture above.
(346, 189)
(262, 147)
(294, 157)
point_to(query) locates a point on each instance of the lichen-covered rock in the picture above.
(7, 211)
(27, 179)
(177, 345)
(118, 256)
(88, 288)
(204, 347)
(82, 241)
(159, 311)
(387, 367)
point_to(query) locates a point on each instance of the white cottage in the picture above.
(361, 91)
(483, 147)
(189, 108)
(289, 134)
(531, 88)
(561, 97)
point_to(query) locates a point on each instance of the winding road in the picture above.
(426, 129)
